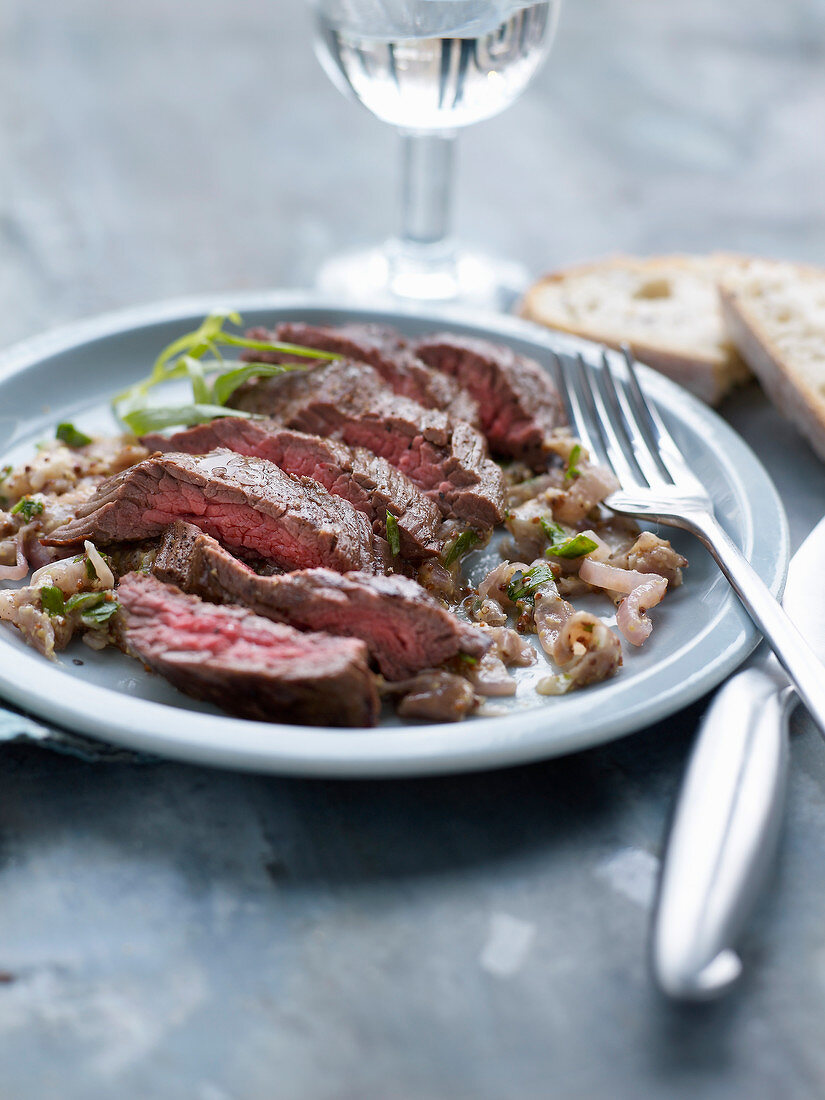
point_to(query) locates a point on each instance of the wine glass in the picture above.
(429, 67)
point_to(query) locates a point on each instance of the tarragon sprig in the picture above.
(197, 356)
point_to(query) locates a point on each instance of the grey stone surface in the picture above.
(170, 932)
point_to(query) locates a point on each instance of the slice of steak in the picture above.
(405, 629)
(518, 402)
(386, 350)
(247, 503)
(368, 482)
(245, 663)
(349, 401)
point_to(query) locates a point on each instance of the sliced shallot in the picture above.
(104, 573)
(630, 614)
(612, 577)
(588, 489)
(583, 647)
(602, 551)
(490, 677)
(644, 590)
(20, 568)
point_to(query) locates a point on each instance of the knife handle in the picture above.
(724, 833)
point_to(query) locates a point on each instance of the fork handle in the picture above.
(794, 654)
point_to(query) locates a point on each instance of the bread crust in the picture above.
(709, 375)
(793, 395)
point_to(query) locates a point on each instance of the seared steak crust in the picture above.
(405, 629)
(244, 663)
(387, 351)
(368, 482)
(349, 401)
(247, 503)
(518, 402)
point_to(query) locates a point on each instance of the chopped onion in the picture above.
(66, 574)
(104, 573)
(592, 485)
(494, 585)
(490, 677)
(643, 591)
(602, 551)
(630, 614)
(612, 577)
(491, 613)
(20, 568)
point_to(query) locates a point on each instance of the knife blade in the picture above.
(728, 815)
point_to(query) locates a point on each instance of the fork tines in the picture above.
(617, 424)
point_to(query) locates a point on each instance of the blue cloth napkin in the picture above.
(16, 727)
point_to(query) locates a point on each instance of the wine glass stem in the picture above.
(427, 191)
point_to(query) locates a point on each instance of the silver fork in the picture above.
(726, 823)
(623, 430)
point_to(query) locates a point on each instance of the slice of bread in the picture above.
(775, 313)
(666, 308)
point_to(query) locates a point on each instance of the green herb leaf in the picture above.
(467, 659)
(154, 418)
(91, 572)
(194, 344)
(462, 545)
(51, 600)
(225, 384)
(234, 341)
(185, 358)
(84, 600)
(200, 387)
(523, 585)
(100, 614)
(554, 531)
(575, 547)
(5, 471)
(563, 545)
(67, 433)
(27, 507)
(393, 534)
(572, 469)
(210, 335)
(94, 607)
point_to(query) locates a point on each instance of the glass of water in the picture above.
(429, 67)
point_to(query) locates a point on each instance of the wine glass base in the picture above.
(387, 274)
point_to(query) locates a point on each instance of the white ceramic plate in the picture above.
(700, 635)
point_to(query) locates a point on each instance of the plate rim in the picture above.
(406, 750)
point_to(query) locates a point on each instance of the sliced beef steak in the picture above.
(405, 629)
(244, 663)
(387, 351)
(349, 401)
(247, 503)
(518, 402)
(368, 482)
